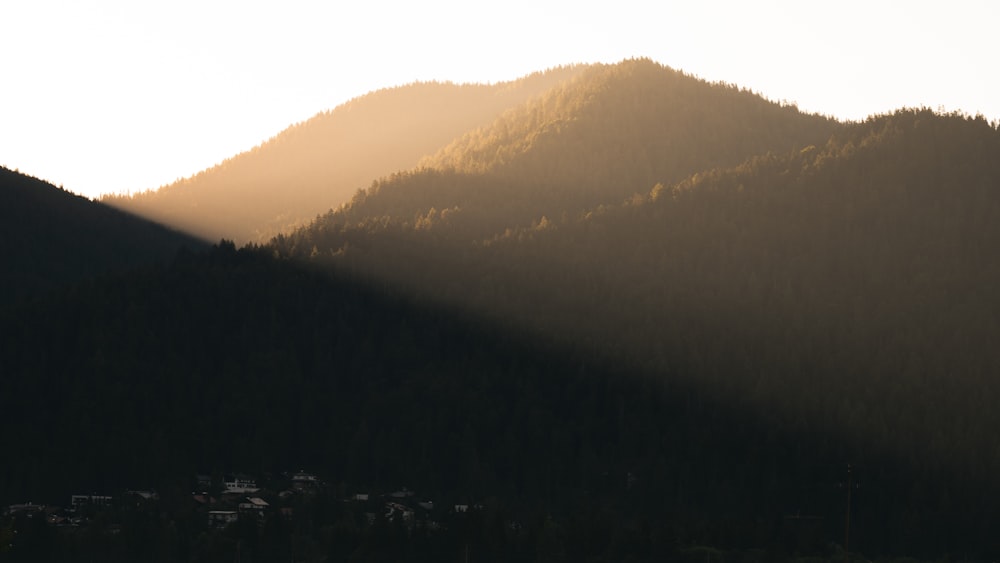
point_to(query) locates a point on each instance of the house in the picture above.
(257, 503)
(79, 501)
(394, 509)
(303, 481)
(25, 508)
(254, 506)
(239, 484)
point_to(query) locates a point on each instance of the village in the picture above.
(237, 497)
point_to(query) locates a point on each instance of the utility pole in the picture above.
(847, 521)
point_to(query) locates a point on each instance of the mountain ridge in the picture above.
(566, 152)
(51, 237)
(318, 164)
(514, 128)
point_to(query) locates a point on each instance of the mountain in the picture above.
(852, 257)
(846, 286)
(635, 316)
(852, 282)
(817, 269)
(610, 132)
(319, 164)
(50, 237)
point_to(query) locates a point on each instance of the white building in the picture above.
(79, 501)
(240, 484)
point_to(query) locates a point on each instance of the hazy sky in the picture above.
(114, 96)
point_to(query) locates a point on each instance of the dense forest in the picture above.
(851, 285)
(234, 359)
(623, 313)
(49, 237)
(611, 132)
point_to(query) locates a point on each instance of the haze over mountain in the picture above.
(320, 163)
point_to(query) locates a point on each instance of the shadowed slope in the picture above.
(49, 236)
(231, 359)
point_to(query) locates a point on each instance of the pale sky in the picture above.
(119, 96)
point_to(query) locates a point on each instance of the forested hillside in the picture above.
(848, 286)
(234, 360)
(852, 283)
(870, 254)
(611, 132)
(319, 164)
(49, 237)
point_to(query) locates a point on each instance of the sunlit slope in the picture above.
(49, 237)
(320, 163)
(610, 132)
(638, 115)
